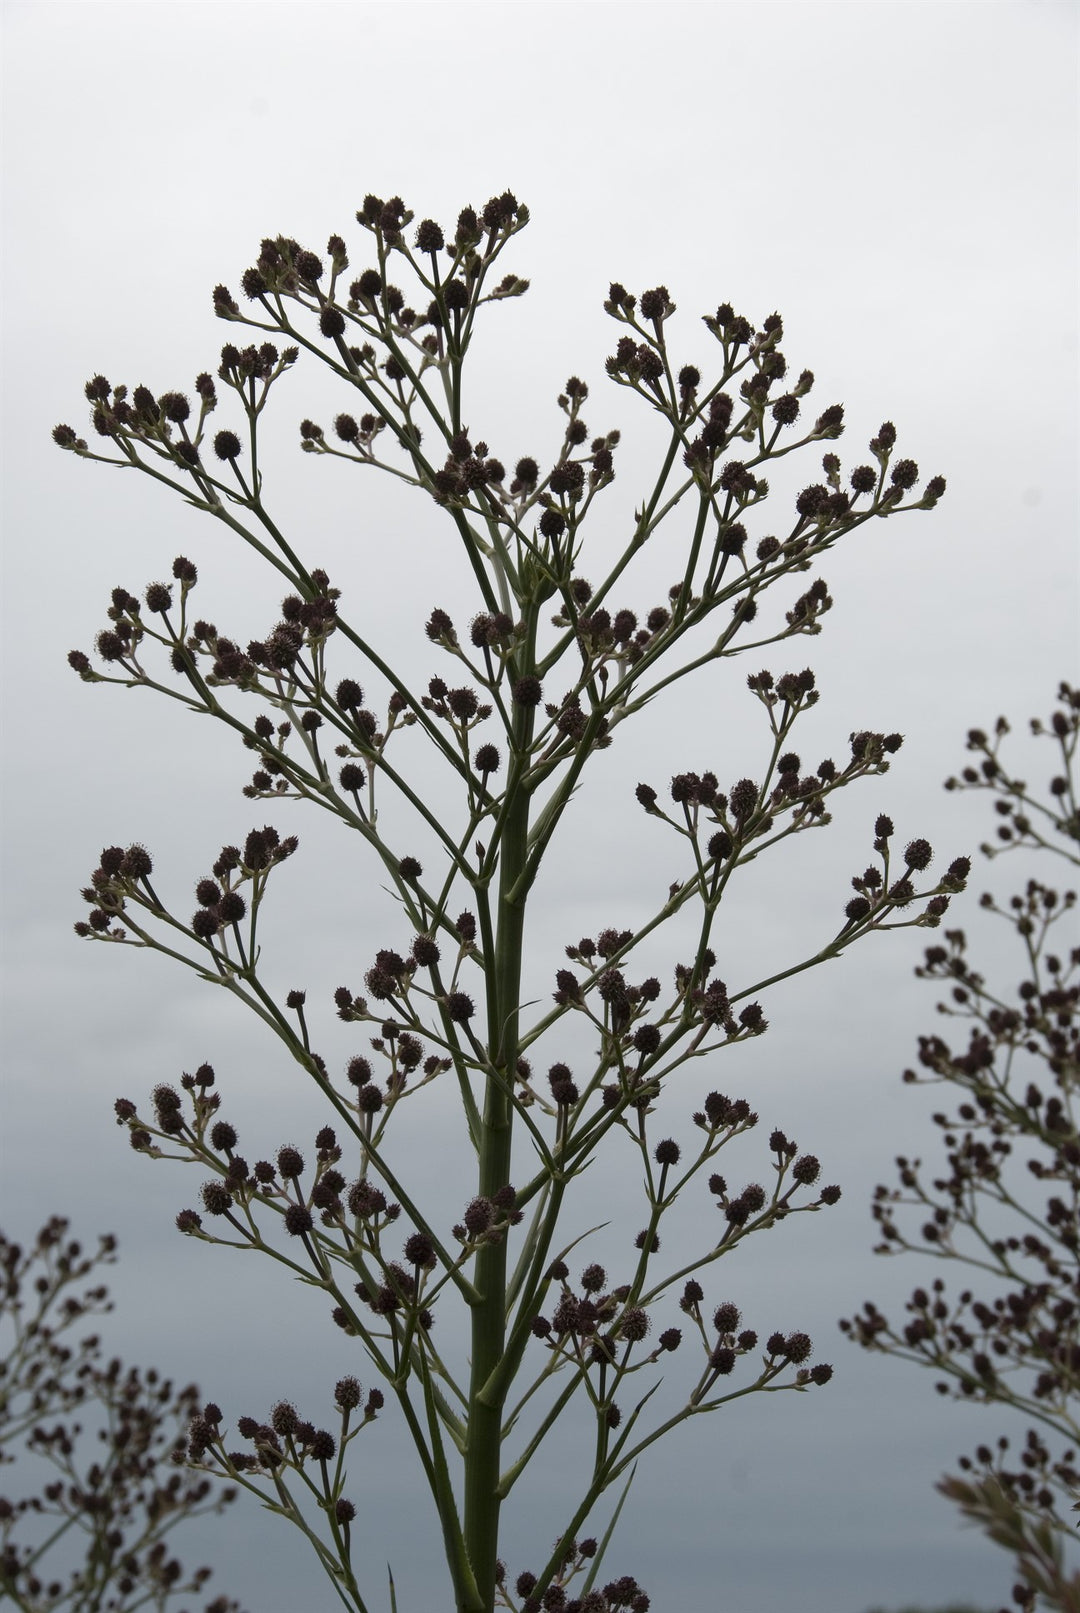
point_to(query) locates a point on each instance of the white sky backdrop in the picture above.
(899, 181)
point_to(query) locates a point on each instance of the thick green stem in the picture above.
(482, 1456)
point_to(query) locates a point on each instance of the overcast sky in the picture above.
(899, 181)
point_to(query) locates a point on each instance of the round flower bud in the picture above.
(227, 445)
(298, 1220)
(137, 863)
(347, 1394)
(646, 1040)
(744, 796)
(419, 1250)
(309, 266)
(322, 1445)
(528, 691)
(429, 236)
(216, 1198)
(635, 1324)
(174, 406)
(290, 1161)
(478, 1216)
(223, 1136)
(284, 1418)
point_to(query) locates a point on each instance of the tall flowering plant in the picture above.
(545, 673)
(1005, 1208)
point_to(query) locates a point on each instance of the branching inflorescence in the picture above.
(1014, 1221)
(544, 674)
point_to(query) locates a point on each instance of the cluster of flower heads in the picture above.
(286, 269)
(629, 1039)
(412, 339)
(764, 411)
(877, 890)
(359, 1211)
(1026, 822)
(749, 810)
(598, 1326)
(123, 877)
(471, 471)
(287, 1442)
(1037, 1481)
(288, 660)
(302, 631)
(392, 979)
(622, 1595)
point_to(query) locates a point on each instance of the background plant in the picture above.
(1005, 1204)
(553, 666)
(953, 1607)
(97, 1536)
